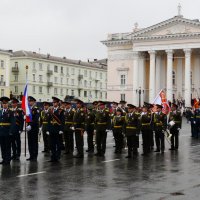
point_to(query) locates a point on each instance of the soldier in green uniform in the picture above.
(17, 129)
(132, 125)
(159, 126)
(79, 125)
(175, 123)
(33, 130)
(44, 115)
(102, 126)
(89, 127)
(118, 122)
(146, 129)
(68, 132)
(6, 123)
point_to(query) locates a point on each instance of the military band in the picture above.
(66, 123)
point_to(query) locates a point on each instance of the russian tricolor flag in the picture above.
(25, 105)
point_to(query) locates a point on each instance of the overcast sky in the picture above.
(74, 28)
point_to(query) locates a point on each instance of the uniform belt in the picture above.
(55, 123)
(131, 127)
(159, 124)
(197, 116)
(145, 124)
(177, 122)
(44, 122)
(68, 122)
(104, 123)
(78, 123)
(117, 126)
(5, 124)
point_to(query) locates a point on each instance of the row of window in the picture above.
(2, 63)
(56, 70)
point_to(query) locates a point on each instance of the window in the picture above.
(123, 79)
(67, 81)
(16, 89)
(33, 89)
(100, 75)
(85, 73)
(90, 94)
(61, 70)
(55, 79)
(48, 90)
(40, 66)
(79, 93)
(48, 66)
(55, 91)
(40, 90)
(72, 71)
(101, 95)
(90, 74)
(55, 68)
(16, 64)
(67, 91)
(33, 77)
(33, 65)
(2, 92)
(67, 70)
(123, 97)
(40, 78)
(85, 83)
(72, 82)
(16, 78)
(173, 78)
(96, 75)
(100, 85)
(85, 93)
(72, 92)
(2, 64)
(61, 81)
(90, 83)
(2, 78)
(61, 91)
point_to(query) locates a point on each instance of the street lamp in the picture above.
(139, 91)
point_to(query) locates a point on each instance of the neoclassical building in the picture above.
(163, 56)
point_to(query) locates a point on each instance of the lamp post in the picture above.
(139, 91)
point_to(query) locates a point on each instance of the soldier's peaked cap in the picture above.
(55, 99)
(131, 106)
(4, 99)
(122, 102)
(30, 98)
(101, 103)
(14, 100)
(159, 106)
(46, 103)
(115, 103)
(78, 101)
(147, 105)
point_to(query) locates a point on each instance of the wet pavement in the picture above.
(174, 175)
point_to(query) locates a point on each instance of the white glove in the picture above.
(178, 129)
(194, 122)
(95, 131)
(40, 129)
(107, 130)
(85, 132)
(171, 123)
(72, 128)
(28, 128)
(20, 132)
(47, 132)
(60, 132)
(163, 131)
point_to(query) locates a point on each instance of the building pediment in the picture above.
(174, 26)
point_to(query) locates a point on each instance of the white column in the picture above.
(135, 77)
(187, 77)
(152, 77)
(169, 74)
(179, 77)
(158, 73)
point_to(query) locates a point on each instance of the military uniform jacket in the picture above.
(146, 121)
(18, 120)
(159, 121)
(68, 116)
(102, 120)
(118, 122)
(177, 118)
(44, 116)
(56, 120)
(35, 119)
(89, 120)
(132, 124)
(197, 115)
(6, 122)
(79, 119)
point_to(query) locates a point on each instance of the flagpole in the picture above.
(25, 113)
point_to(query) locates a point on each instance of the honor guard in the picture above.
(17, 129)
(146, 129)
(55, 129)
(68, 132)
(132, 125)
(197, 119)
(6, 123)
(89, 127)
(33, 130)
(159, 126)
(102, 126)
(44, 116)
(175, 123)
(118, 123)
(79, 125)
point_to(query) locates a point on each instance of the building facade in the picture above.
(49, 76)
(5, 72)
(163, 56)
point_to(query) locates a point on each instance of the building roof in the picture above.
(65, 60)
(6, 51)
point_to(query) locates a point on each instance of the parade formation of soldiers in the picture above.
(63, 125)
